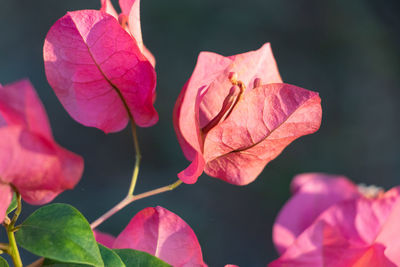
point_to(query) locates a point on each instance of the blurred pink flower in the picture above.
(332, 222)
(98, 71)
(30, 159)
(161, 233)
(234, 115)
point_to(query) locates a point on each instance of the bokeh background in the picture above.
(348, 51)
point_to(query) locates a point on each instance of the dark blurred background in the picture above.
(348, 51)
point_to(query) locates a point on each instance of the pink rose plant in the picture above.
(161, 233)
(31, 162)
(235, 114)
(330, 221)
(98, 71)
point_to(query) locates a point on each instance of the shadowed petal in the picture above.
(30, 159)
(163, 234)
(314, 193)
(20, 105)
(39, 168)
(98, 72)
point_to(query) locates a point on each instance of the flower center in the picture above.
(371, 191)
(230, 101)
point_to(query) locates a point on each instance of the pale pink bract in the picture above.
(131, 17)
(230, 128)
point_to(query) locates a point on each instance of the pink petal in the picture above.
(104, 238)
(248, 66)
(106, 6)
(314, 193)
(322, 245)
(150, 57)
(193, 171)
(261, 125)
(190, 139)
(5, 200)
(38, 167)
(349, 233)
(186, 116)
(131, 9)
(389, 234)
(163, 234)
(20, 105)
(29, 157)
(98, 72)
(360, 220)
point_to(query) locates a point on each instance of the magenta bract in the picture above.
(234, 115)
(331, 222)
(30, 160)
(161, 233)
(130, 21)
(98, 71)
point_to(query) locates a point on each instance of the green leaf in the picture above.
(139, 258)
(110, 258)
(3, 263)
(13, 205)
(59, 232)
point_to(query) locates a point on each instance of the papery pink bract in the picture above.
(313, 194)
(343, 227)
(253, 129)
(131, 17)
(98, 71)
(30, 160)
(161, 233)
(106, 6)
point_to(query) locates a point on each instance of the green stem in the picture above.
(12, 246)
(138, 157)
(13, 249)
(131, 198)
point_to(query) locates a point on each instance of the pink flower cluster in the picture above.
(233, 116)
(330, 221)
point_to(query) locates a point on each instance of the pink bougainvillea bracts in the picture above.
(130, 21)
(30, 160)
(234, 115)
(332, 222)
(98, 71)
(161, 233)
